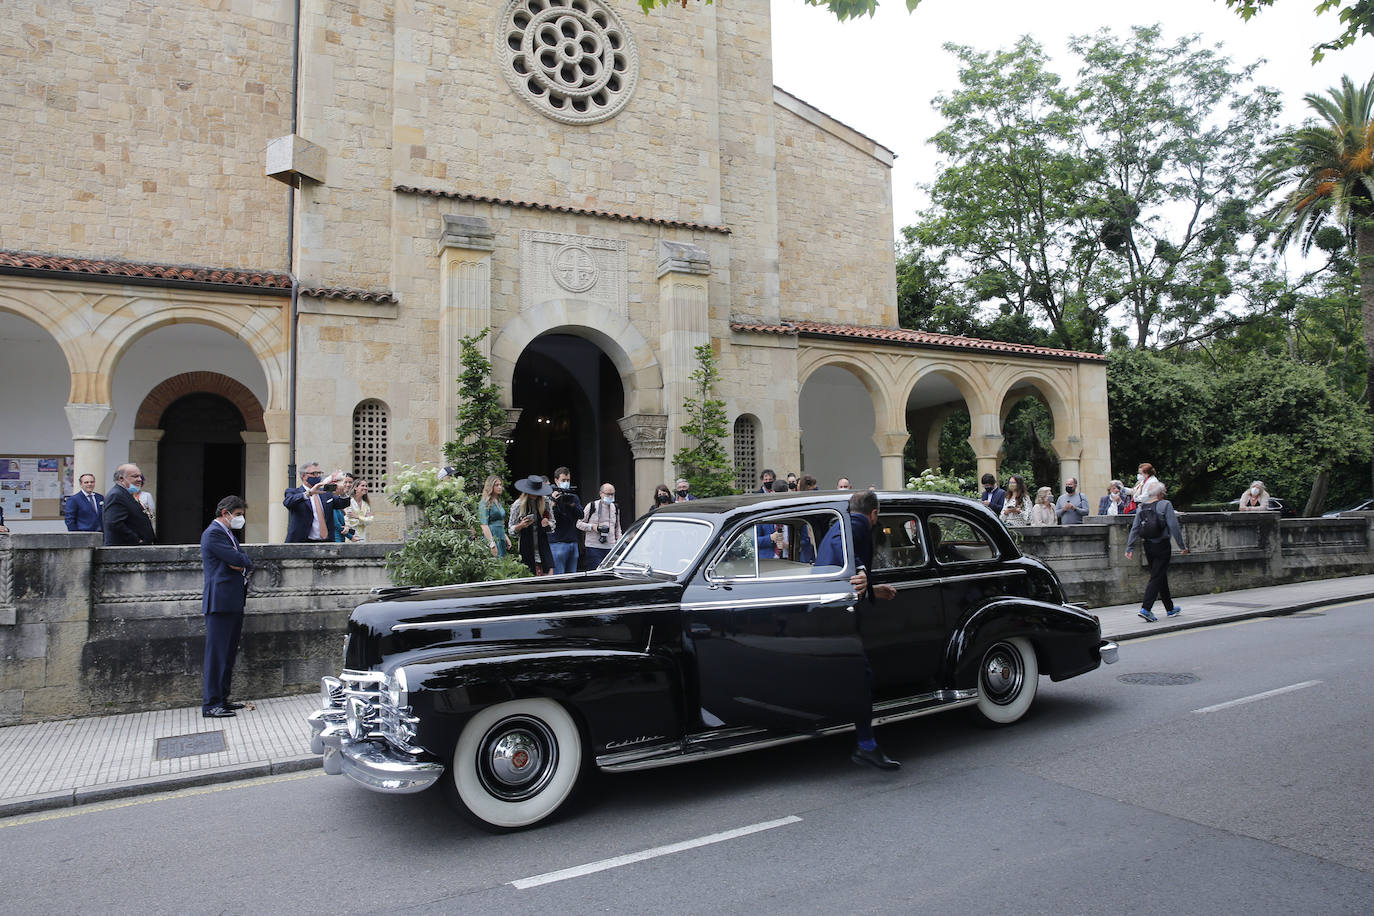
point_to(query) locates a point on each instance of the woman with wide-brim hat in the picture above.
(531, 518)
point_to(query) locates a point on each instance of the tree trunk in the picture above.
(1318, 495)
(1364, 268)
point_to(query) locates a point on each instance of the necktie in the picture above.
(91, 497)
(319, 516)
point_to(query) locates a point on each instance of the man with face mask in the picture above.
(1071, 506)
(227, 569)
(601, 521)
(567, 509)
(683, 491)
(123, 520)
(310, 508)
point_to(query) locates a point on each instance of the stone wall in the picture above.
(834, 207)
(1227, 551)
(138, 129)
(87, 630)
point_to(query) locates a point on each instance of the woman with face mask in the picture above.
(1256, 498)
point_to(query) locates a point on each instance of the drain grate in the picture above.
(1159, 679)
(190, 745)
(1253, 607)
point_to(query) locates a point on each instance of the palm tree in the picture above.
(1329, 166)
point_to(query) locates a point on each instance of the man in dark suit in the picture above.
(227, 569)
(124, 521)
(310, 508)
(83, 509)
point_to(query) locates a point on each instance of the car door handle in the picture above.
(838, 600)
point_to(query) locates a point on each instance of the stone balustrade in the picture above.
(88, 630)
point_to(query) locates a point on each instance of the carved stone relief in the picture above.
(558, 266)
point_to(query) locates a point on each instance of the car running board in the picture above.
(726, 741)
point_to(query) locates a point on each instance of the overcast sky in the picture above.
(879, 75)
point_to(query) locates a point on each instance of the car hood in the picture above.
(404, 621)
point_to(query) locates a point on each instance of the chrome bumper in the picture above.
(1107, 651)
(371, 763)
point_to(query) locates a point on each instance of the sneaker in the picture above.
(1147, 616)
(1174, 611)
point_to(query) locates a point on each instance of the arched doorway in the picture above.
(570, 399)
(32, 401)
(200, 460)
(838, 420)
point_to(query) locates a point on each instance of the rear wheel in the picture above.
(515, 763)
(1007, 678)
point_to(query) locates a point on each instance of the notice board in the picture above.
(32, 487)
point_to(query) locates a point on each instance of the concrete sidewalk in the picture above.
(79, 761)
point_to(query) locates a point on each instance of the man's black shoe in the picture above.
(232, 706)
(218, 712)
(874, 758)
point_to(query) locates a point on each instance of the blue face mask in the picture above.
(134, 488)
(311, 481)
(609, 499)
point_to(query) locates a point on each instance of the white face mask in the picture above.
(237, 521)
(564, 484)
(1254, 491)
(609, 499)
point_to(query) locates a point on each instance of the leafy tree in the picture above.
(1356, 16)
(476, 451)
(705, 464)
(1328, 168)
(1131, 190)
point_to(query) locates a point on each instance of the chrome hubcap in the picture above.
(1003, 672)
(516, 758)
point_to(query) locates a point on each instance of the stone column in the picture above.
(257, 477)
(465, 247)
(1069, 449)
(647, 435)
(278, 457)
(986, 441)
(683, 272)
(143, 452)
(90, 425)
(890, 449)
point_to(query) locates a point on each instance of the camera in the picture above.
(601, 532)
(330, 487)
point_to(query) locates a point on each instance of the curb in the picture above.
(1167, 625)
(89, 795)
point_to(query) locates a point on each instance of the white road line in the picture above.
(1258, 696)
(590, 868)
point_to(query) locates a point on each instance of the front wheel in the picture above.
(515, 763)
(1007, 679)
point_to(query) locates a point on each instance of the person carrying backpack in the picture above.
(1154, 523)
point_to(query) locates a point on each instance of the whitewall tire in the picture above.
(1007, 679)
(515, 763)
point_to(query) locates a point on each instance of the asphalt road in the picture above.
(1109, 797)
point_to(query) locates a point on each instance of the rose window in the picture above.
(573, 60)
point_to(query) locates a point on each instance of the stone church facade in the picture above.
(605, 190)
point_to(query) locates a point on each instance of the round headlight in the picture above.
(356, 712)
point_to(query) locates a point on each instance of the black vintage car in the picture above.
(709, 630)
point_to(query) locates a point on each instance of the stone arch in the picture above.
(161, 397)
(809, 363)
(615, 335)
(78, 363)
(256, 327)
(1052, 389)
(971, 388)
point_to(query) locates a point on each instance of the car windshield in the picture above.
(665, 545)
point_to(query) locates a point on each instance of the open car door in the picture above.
(774, 636)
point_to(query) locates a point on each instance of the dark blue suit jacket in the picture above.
(125, 523)
(226, 589)
(79, 515)
(300, 514)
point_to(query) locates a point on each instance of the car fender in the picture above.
(1065, 639)
(615, 695)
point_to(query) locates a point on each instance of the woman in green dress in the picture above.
(492, 514)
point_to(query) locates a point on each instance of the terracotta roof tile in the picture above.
(905, 337)
(356, 295)
(558, 208)
(31, 262)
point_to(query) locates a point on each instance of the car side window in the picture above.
(897, 542)
(782, 546)
(958, 540)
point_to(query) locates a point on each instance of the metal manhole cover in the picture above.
(190, 745)
(1159, 679)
